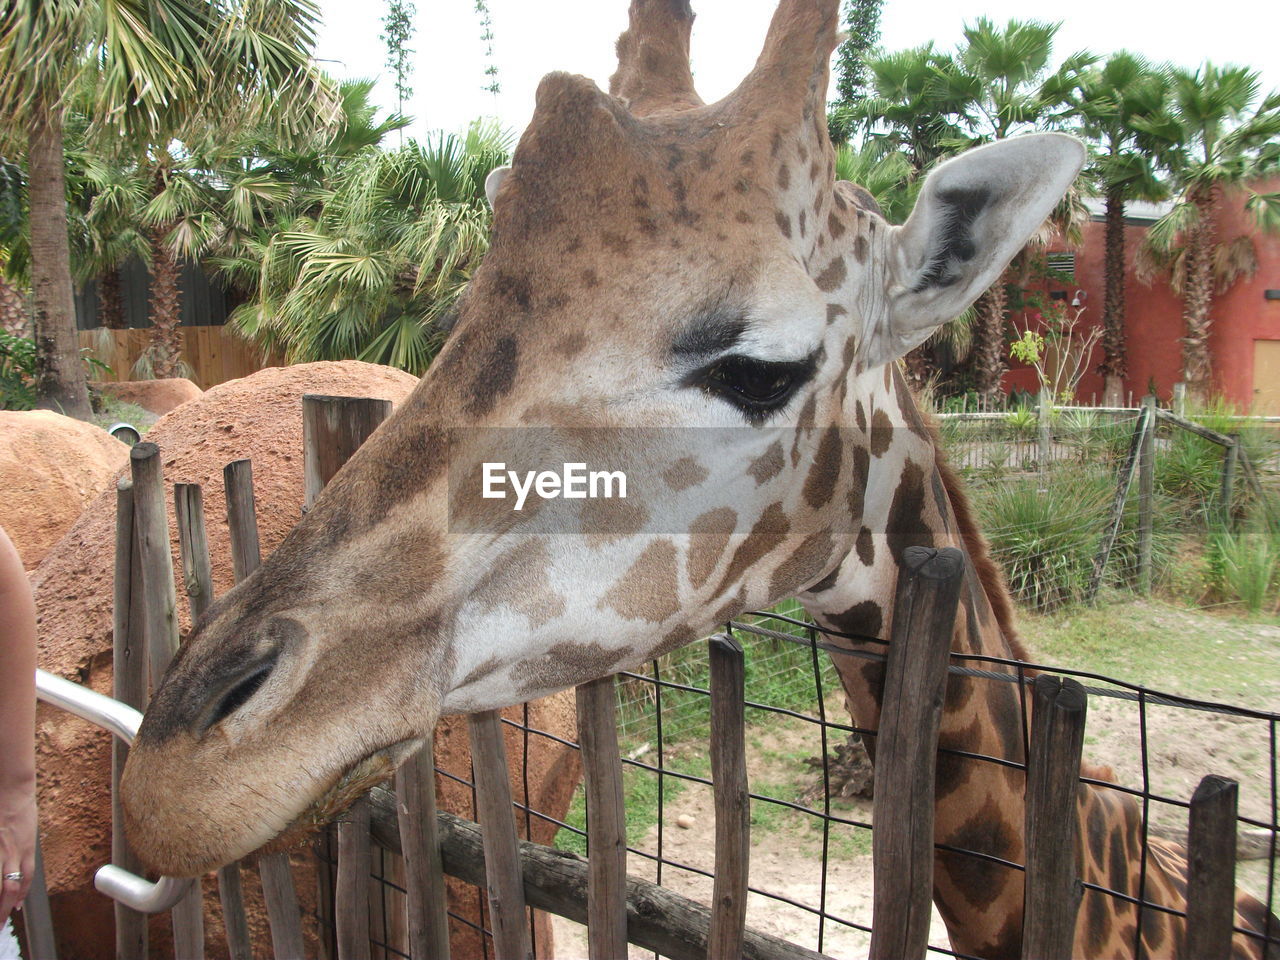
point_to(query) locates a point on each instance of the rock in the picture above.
(684, 821)
(158, 396)
(51, 467)
(257, 417)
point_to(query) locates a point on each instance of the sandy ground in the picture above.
(786, 849)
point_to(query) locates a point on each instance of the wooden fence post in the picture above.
(1145, 425)
(1211, 868)
(37, 920)
(333, 428)
(501, 845)
(278, 891)
(160, 629)
(420, 847)
(1146, 495)
(197, 578)
(1230, 457)
(1044, 428)
(1052, 879)
(606, 820)
(732, 801)
(924, 614)
(129, 686)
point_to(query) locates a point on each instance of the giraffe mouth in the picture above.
(358, 779)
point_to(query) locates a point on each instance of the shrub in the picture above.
(17, 372)
(1245, 567)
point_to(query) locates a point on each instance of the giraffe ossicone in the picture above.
(691, 273)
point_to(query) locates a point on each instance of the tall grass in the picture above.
(1246, 567)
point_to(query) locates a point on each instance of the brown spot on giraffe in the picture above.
(860, 249)
(709, 536)
(820, 484)
(832, 276)
(768, 465)
(518, 579)
(835, 310)
(801, 219)
(804, 566)
(881, 438)
(784, 177)
(835, 226)
(497, 376)
(649, 590)
(765, 535)
(784, 224)
(561, 663)
(865, 546)
(684, 473)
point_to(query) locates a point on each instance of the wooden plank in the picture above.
(197, 578)
(732, 802)
(333, 428)
(160, 628)
(424, 873)
(504, 879)
(151, 528)
(1052, 879)
(355, 863)
(1189, 425)
(606, 820)
(658, 919)
(1230, 458)
(37, 919)
(193, 547)
(1211, 868)
(278, 891)
(129, 686)
(924, 616)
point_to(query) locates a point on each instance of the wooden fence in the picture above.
(215, 354)
(617, 908)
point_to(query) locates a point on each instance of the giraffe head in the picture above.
(677, 290)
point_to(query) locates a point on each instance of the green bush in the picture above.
(17, 372)
(1245, 567)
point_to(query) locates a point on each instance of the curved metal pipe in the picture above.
(122, 720)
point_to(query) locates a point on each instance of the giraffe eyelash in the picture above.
(757, 388)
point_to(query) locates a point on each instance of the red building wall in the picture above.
(1153, 314)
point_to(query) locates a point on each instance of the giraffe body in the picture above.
(682, 287)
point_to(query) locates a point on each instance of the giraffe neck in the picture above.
(913, 498)
(979, 805)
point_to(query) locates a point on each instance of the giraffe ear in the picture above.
(973, 215)
(493, 181)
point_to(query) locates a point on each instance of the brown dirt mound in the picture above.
(51, 467)
(158, 396)
(257, 417)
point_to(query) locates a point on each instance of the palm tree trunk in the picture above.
(1197, 298)
(60, 375)
(110, 300)
(989, 361)
(165, 308)
(1114, 367)
(13, 311)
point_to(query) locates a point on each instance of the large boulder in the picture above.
(258, 417)
(51, 467)
(157, 396)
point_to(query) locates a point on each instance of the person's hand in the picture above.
(17, 845)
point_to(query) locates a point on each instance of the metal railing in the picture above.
(133, 891)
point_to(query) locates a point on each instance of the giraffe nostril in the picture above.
(238, 694)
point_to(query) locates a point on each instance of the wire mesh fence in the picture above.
(811, 816)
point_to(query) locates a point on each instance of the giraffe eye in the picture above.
(756, 387)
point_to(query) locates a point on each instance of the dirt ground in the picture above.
(786, 846)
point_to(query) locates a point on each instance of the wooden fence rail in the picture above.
(214, 354)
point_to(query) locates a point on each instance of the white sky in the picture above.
(534, 37)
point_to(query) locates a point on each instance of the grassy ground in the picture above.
(112, 411)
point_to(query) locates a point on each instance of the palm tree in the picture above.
(373, 271)
(1226, 145)
(1123, 167)
(1001, 76)
(155, 69)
